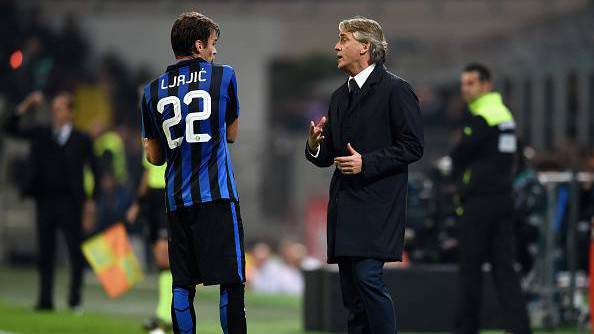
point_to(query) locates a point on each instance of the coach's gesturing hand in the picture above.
(350, 164)
(316, 134)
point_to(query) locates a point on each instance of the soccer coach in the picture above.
(372, 132)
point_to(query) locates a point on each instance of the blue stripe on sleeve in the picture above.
(230, 171)
(236, 98)
(222, 150)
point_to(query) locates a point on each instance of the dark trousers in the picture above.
(487, 234)
(366, 297)
(66, 215)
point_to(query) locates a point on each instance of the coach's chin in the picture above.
(367, 205)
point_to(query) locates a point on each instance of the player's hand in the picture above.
(316, 134)
(32, 100)
(351, 164)
(132, 213)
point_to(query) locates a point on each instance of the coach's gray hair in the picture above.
(367, 31)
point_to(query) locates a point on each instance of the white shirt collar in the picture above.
(63, 133)
(363, 75)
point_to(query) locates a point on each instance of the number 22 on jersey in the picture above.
(190, 135)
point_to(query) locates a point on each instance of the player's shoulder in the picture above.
(150, 86)
(225, 68)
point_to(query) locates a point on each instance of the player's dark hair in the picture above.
(482, 70)
(189, 28)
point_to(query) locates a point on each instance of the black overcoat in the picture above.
(367, 211)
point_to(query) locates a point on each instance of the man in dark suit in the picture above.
(373, 131)
(57, 158)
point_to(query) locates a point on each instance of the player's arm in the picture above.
(232, 131)
(154, 151)
(232, 114)
(152, 144)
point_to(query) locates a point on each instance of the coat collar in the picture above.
(374, 78)
(362, 76)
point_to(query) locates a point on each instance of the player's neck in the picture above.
(193, 56)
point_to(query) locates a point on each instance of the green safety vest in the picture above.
(156, 174)
(490, 107)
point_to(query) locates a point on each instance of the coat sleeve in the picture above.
(326, 155)
(93, 164)
(14, 128)
(475, 133)
(408, 142)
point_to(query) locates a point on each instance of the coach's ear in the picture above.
(154, 151)
(364, 48)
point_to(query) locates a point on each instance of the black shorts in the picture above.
(154, 212)
(206, 244)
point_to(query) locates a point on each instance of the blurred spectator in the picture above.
(290, 275)
(271, 274)
(113, 201)
(529, 200)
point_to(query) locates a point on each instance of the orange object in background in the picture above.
(16, 59)
(111, 257)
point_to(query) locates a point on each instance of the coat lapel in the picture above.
(343, 101)
(375, 77)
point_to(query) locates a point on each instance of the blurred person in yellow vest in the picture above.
(483, 160)
(109, 148)
(150, 203)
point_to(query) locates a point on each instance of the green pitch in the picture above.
(266, 314)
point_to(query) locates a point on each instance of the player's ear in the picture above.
(198, 46)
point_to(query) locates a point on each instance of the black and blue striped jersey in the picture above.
(188, 108)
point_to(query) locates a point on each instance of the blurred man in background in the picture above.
(484, 160)
(377, 114)
(189, 114)
(151, 202)
(57, 158)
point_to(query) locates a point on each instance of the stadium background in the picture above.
(541, 52)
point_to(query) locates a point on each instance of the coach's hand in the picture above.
(351, 164)
(316, 134)
(32, 100)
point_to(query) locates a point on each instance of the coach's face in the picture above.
(471, 86)
(61, 110)
(208, 51)
(349, 53)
